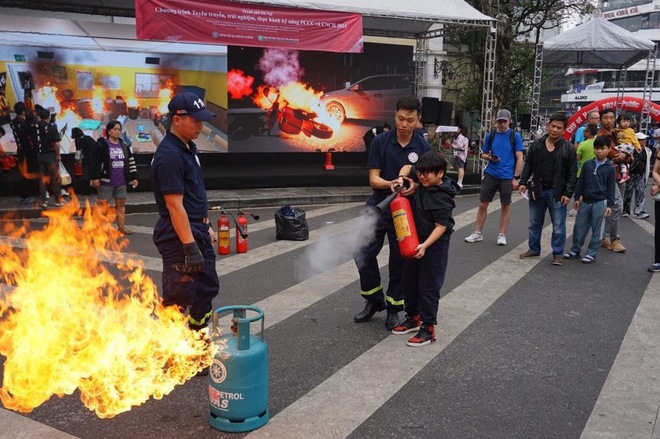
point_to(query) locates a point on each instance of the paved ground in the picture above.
(524, 350)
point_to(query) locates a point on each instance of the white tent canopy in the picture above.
(597, 43)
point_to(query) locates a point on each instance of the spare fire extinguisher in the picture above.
(223, 234)
(241, 233)
(77, 169)
(404, 226)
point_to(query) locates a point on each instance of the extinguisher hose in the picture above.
(240, 228)
(386, 202)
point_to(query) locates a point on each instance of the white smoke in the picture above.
(280, 67)
(331, 250)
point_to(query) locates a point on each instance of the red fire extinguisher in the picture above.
(241, 233)
(78, 169)
(404, 226)
(223, 234)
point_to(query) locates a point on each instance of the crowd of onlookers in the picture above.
(604, 171)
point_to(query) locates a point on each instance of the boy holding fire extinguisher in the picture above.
(424, 273)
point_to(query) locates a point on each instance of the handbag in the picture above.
(64, 175)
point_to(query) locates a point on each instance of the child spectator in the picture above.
(594, 199)
(424, 274)
(626, 142)
(585, 149)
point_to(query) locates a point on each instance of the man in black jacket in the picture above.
(548, 178)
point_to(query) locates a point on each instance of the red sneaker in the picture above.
(411, 324)
(425, 335)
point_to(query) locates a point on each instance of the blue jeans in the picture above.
(589, 217)
(537, 209)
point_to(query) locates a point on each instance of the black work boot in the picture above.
(368, 312)
(392, 320)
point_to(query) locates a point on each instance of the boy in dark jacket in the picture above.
(594, 199)
(424, 274)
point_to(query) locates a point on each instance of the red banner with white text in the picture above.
(234, 24)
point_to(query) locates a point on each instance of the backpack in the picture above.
(491, 135)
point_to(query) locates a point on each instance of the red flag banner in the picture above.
(218, 22)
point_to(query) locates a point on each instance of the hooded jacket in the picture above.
(434, 205)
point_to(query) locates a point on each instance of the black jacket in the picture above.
(101, 166)
(435, 205)
(566, 166)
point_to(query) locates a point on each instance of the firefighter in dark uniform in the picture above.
(46, 140)
(389, 152)
(26, 153)
(183, 235)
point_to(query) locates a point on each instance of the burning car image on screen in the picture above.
(373, 98)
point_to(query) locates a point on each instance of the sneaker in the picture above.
(571, 255)
(655, 268)
(528, 254)
(625, 215)
(617, 247)
(558, 261)
(411, 324)
(475, 237)
(588, 259)
(606, 243)
(425, 335)
(642, 215)
(501, 239)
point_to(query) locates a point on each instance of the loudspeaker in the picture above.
(430, 110)
(525, 121)
(445, 111)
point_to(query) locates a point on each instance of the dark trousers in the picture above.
(656, 209)
(49, 172)
(365, 258)
(193, 292)
(29, 186)
(423, 279)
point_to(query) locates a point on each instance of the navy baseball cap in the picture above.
(189, 104)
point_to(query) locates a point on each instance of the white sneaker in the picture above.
(501, 239)
(475, 237)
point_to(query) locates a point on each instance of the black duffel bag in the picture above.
(290, 224)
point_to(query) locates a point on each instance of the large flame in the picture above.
(47, 97)
(69, 321)
(164, 97)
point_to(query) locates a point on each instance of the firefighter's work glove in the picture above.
(193, 259)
